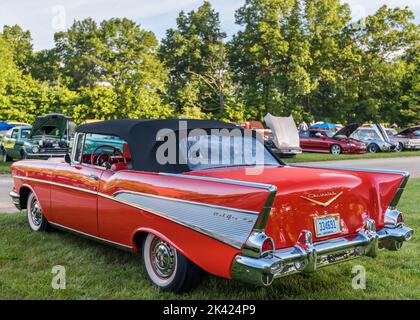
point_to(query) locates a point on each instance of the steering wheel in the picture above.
(102, 154)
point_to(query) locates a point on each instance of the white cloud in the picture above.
(155, 15)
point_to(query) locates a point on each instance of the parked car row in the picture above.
(51, 134)
(284, 139)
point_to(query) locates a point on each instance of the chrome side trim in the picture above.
(253, 218)
(57, 184)
(402, 172)
(232, 228)
(186, 201)
(228, 181)
(399, 191)
(87, 235)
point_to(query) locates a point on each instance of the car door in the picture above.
(22, 133)
(303, 140)
(74, 193)
(314, 142)
(10, 143)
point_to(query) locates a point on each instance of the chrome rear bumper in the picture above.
(306, 256)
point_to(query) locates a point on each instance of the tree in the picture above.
(116, 58)
(388, 71)
(270, 56)
(194, 53)
(45, 66)
(21, 44)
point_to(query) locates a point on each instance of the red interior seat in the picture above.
(126, 152)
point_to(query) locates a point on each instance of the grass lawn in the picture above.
(308, 157)
(5, 167)
(95, 271)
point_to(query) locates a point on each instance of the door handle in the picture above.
(94, 176)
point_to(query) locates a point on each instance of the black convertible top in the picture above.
(141, 136)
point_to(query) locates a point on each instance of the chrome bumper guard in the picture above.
(306, 256)
(15, 199)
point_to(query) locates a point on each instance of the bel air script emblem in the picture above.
(311, 197)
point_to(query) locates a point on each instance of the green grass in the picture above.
(5, 167)
(95, 271)
(308, 157)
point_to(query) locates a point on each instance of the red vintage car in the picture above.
(136, 185)
(323, 141)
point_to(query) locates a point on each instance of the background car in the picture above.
(50, 137)
(408, 139)
(12, 143)
(283, 138)
(6, 126)
(317, 140)
(376, 139)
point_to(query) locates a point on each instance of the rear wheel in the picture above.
(166, 267)
(335, 149)
(399, 147)
(373, 148)
(36, 219)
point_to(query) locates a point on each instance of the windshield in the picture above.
(25, 133)
(216, 151)
(366, 135)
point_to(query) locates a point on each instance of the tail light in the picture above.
(400, 218)
(258, 244)
(393, 218)
(267, 246)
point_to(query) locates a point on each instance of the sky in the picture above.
(45, 17)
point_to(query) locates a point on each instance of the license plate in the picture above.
(327, 225)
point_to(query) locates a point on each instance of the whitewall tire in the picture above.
(36, 219)
(166, 267)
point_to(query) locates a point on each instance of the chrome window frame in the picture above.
(73, 150)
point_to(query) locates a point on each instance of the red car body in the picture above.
(252, 224)
(317, 140)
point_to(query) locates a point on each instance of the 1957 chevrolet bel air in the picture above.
(232, 218)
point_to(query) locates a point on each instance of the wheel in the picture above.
(335, 149)
(166, 267)
(6, 157)
(399, 147)
(36, 219)
(373, 148)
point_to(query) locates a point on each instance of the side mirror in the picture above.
(67, 158)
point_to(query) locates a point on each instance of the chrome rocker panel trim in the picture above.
(306, 256)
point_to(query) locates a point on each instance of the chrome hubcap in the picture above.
(335, 150)
(36, 213)
(163, 258)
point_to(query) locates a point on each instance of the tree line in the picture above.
(307, 58)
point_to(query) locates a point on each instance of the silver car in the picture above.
(408, 139)
(376, 139)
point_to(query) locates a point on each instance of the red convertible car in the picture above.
(318, 140)
(253, 221)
